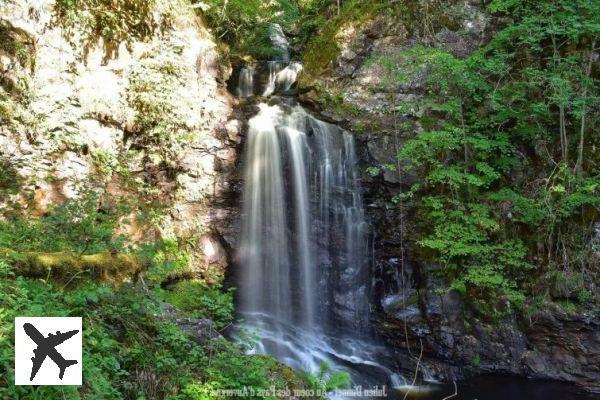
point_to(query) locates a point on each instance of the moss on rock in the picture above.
(69, 267)
(324, 48)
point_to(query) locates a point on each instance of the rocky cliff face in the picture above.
(144, 120)
(550, 344)
(347, 81)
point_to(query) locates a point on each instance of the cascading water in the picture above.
(266, 260)
(304, 248)
(281, 78)
(279, 42)
(304, 242)
(274, 68)
(245, 87)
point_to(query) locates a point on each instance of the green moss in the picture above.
(200, 300)
(19, 47)
(568, 306)
(334, 99)
(564, 284)
(324, 49)
(69, 267)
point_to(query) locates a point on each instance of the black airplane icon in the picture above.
(46, 347)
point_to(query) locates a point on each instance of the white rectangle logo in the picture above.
(48, 350)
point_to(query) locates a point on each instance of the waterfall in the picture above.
(274, 68)
(279, 41)
(303, 222)
(264, 241)
(342, 226)
(245, 87)
(298, 149)
(304, 253)
(281, 79)
(287, 76)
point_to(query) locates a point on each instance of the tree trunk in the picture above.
(68, 267)
(588, 71)
(563, 135)
(564, 144)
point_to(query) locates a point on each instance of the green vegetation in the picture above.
(502, 159)
(508, 180)
(9, 178)
(129, 352)
(312, 24)
(113, 22)
(161, 118)
(55, 266)
(16, 44)
(82, 226)
(245, 24)
(323, 25)
(17, 50)
(197, 299)
(323, 48)
(325, 379)
(68, 266)
(107, 163)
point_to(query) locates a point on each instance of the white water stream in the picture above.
(304, 250)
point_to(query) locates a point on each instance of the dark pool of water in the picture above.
(492, 387)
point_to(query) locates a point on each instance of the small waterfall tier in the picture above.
(266, 78)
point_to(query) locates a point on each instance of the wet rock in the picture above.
(200, 330)
(595, 242)
(555, 346)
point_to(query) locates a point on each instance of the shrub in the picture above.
(112, 21)
(202, 301)
(128, 351)
(80, 225)
(325, 379)
(245, 24)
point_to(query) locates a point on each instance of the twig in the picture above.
(144, 286)
(416, 371)
(401, 205)
(454, 394)
(73, 277)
